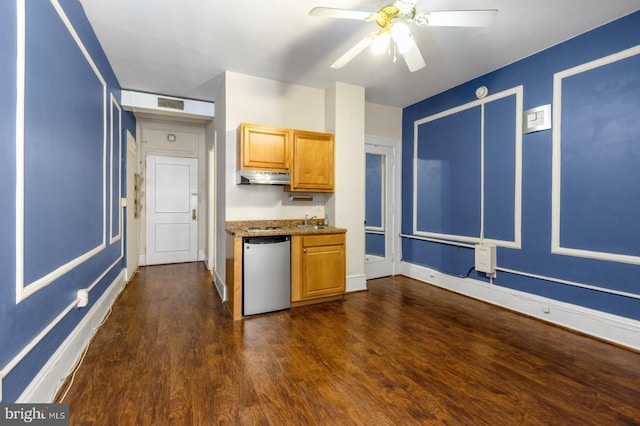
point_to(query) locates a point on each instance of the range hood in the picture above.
(259, 177)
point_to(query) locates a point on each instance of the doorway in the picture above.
(172, 210)
(380, 208)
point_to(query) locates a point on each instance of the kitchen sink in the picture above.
(263, 228)
(312, 226)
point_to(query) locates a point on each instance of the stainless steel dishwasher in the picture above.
(266, 274)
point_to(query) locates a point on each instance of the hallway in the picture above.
(401, 353)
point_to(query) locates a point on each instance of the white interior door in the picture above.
(379, 211)
(172, 204)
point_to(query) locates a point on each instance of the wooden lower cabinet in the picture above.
(318, 267)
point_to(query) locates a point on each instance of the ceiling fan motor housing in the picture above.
(388, 14)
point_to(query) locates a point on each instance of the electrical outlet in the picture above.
(546, 309)
(318, 207)
(83, 298)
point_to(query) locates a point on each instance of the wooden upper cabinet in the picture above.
(265, 148)
(308, 156)
(313, 162)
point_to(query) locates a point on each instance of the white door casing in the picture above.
(381, 266)
(172, 210)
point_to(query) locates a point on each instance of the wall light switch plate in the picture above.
(536, 119)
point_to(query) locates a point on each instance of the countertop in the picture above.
(254, 228)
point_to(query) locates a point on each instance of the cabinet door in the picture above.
(323, 271)
(265, 148)
(313, 162)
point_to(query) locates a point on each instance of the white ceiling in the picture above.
(182, 47)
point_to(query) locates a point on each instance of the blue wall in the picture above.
(374, 209)
(597, 157)
(73, 145)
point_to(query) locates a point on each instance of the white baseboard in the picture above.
(218, 281)
(129, 273)
(612, 328)
(142, 258)
(208, 261)
(356, 283)
(45, 384)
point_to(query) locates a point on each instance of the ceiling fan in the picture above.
(394, 35)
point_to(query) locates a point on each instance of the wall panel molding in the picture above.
(592, 114)
(515, 242)
(25, 289)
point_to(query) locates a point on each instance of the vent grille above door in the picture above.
(171, 103)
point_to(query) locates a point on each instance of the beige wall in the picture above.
(220, 187)
(345, 113)
(133, 222)
(382, 120)
(250, 99)
(261, 101)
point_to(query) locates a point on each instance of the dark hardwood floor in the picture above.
(401, 353)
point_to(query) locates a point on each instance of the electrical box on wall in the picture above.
(486, 259)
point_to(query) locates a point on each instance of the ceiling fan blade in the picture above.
(405, 5)
(457, 18)
(412, 56)
(353, 52)
(331, 12)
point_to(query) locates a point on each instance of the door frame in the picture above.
(146, 126)
(193, 204)
(393, 195)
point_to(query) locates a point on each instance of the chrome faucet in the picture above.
(306, 219)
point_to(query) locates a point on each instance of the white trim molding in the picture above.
(46, 383)
(556, 211)
(612, 328)
(118, 157)
(517, 220)
(24, 290)
(356, 283)
(218, 282)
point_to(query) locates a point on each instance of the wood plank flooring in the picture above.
(402, 353)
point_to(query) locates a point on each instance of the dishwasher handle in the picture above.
(270, 239)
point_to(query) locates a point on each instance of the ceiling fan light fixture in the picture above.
(394, 35)
(402, 36)
(381, 42)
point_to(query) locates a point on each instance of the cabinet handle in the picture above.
(286, 167)
(193, 214)
(304, 251)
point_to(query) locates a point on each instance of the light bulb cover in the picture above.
(402, 36)
(381, 42)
